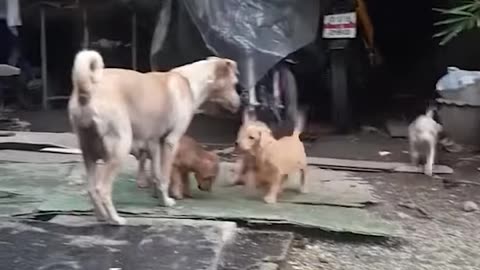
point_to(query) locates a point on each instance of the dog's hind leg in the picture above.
(93, 188)
(303, 181)
(117, 149)
(143, 180)
(89, 143)
(428, 169)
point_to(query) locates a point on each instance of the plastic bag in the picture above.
(256, 34)
(457, 79)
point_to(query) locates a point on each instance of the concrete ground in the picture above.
(439, 233)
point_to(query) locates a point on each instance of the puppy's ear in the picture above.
(249, 116)
(262, 138)
(439, 128)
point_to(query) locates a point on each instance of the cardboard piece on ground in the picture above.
(397, 129)
(58, 188)
(370, 166)
(38, 140)
(36, 157)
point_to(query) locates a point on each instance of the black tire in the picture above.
(289, 97)
(290, 94)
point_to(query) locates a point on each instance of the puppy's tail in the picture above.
(300, 122)
(87, 71)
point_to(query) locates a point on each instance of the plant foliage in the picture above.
(465, 16)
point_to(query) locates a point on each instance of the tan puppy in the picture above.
(274, 159)
(191, 157)
(115, 112)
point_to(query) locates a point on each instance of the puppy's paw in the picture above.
(177, 196)
(303, 190)
(270, 199)
(142, 183)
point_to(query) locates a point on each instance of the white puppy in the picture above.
(423, 136)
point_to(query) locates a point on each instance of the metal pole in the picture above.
(43, 53)
(86, 34)
(134, 41)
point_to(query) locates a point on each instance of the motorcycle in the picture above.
(274, 99)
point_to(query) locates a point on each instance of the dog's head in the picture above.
(207, 171)
(252, 134)
(222, 83)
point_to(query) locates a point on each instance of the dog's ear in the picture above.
(225, 67)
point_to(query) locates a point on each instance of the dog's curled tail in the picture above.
(300, 122)
(87, 71)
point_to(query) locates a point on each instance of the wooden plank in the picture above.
(372, 166)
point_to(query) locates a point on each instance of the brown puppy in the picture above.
(274, 159)
(191, 157)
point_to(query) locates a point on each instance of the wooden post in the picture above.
(134, 41)
(43, 53)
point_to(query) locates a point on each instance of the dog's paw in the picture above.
(118, 221)
(166, 201)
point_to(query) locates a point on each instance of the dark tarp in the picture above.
(267, 31)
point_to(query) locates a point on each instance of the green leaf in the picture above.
(451, 35)
(450, 21)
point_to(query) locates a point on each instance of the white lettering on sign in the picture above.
(340, 25)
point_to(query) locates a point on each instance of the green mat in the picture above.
(58, 188)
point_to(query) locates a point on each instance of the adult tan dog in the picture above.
(191, 157)
(118, 111)
(273, 159)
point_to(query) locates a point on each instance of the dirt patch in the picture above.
(443, 237)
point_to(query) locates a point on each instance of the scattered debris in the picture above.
(373, 166)
(370, 129)
(470, 206)
(403, 215)
(450, 146)
(449, 183)
(413, 206)
(13, 124)
(384, 153)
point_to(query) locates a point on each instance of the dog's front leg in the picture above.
(274, 189)
(163, 154)
(414, 155)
